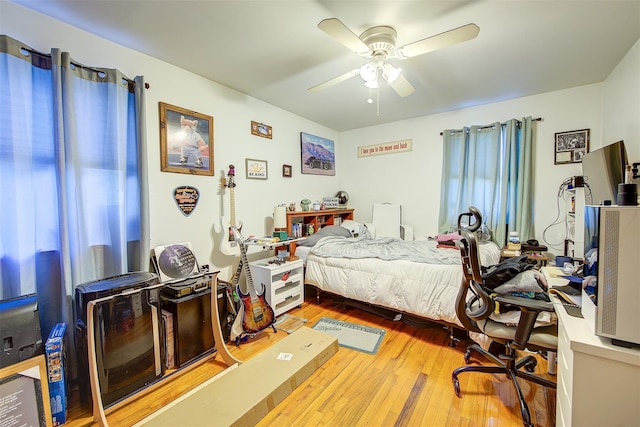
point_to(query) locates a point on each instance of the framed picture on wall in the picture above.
(260, 129)
(571, 146)
(286, 171)
(186, 141)
(256, 169)
(317, 155)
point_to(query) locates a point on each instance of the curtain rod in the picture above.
(48, 55)
(537, 119)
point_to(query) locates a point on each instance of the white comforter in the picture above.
(425, 289)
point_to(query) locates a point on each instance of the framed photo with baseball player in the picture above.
(186, 141)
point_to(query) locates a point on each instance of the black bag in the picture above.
(499, 274)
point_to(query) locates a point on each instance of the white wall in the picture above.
(413, 178)
(621, 106)
(233, 142)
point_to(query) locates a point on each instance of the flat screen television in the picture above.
(603, 169)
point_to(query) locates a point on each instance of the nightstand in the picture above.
(284, 285)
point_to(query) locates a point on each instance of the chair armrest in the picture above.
(526, 303)
(406, 232)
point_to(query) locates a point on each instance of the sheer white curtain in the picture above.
(74, 176)
(490, 167)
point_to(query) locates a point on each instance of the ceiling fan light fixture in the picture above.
(390, 73)
(369, 72)
(372, 84)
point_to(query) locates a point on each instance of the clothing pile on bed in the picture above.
(447, 240)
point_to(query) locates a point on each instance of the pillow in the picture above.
(329, 230)
(353, 226)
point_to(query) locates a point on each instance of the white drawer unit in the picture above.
(284, 285)
(598, 383)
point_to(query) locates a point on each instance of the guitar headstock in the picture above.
(230, 177)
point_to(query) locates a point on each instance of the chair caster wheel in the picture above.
(456, 386)
(531, 366)
(467, 356)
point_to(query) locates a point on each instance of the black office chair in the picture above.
(475, 304)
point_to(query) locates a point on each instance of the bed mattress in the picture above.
(425, 290)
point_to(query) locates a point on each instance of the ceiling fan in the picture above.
(379, 45)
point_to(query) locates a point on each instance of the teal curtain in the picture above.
(490, 167)
(73, 161)
(516, 190)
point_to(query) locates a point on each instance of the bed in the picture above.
(419, 277)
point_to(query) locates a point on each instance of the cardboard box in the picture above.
(243, 394)
(55, 352)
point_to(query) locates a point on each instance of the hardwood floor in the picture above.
(407, 383)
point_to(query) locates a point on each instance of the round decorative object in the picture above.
(176, 261)
(343, 197)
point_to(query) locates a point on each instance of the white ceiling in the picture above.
(273, 50)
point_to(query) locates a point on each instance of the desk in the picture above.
(598, 382)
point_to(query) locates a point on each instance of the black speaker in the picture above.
(191, 320)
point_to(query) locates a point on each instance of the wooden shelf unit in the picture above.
(319, 219)
(574, 242)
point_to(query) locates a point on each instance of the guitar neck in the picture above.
(247, 271)
(232, 205)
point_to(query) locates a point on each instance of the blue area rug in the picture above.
(351, 335)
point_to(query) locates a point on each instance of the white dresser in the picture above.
(598, 383)
(284, 285)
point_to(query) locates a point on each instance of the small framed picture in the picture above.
(256, 169)
(260, 129)
(186, 141)
(286, 171)
(571, 146)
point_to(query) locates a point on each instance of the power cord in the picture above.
(562, 188)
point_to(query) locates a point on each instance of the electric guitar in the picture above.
(256, 312)
(228, 245)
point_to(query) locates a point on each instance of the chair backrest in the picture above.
(386, 219)
(480, 305)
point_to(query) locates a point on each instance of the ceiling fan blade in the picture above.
(402, 86)
(336, 29)
(448, 38)
(335, 80)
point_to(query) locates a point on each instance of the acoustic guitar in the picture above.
(257, 314)
(228, 245)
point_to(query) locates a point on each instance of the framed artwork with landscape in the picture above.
(318, 155)
(186, 141)
(571, 146)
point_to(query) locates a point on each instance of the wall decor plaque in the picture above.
(186, 197)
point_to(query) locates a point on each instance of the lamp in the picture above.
(280, 222)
